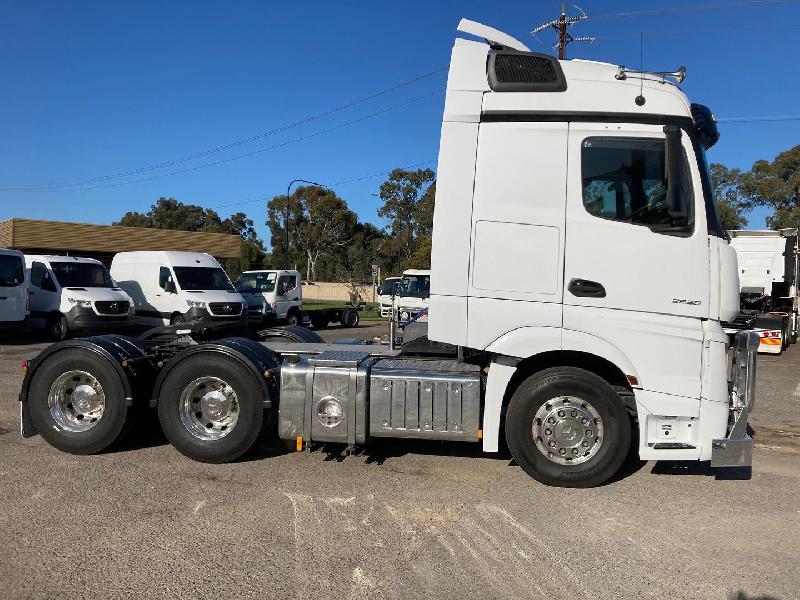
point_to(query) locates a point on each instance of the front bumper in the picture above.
(736, 450)
(81, 318)
(202, 314)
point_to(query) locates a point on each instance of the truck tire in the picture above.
(177, 320)
(349, 318)
(211, 407)
(77, 402)
(290, 333)
(57, 328)
(566, 427)
(293, 318)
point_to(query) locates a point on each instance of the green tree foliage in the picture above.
(776, 184)
(320, 225)
(169, 213)
(727, 190)
(408, 205)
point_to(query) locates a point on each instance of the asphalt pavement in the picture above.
(400, 520)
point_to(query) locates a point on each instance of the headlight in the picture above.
(196, 304)
(80, 303)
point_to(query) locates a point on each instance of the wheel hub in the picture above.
(567, 430)
(76, 401)
(209, 408)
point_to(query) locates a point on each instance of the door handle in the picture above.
(584, 288)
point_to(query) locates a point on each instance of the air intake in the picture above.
(511, 71)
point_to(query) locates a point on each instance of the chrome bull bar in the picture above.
(736, 450)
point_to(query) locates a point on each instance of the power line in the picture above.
(759, 119)
(690, 8)
(331, 185)
(246, 155)
(228, 146)
(702, 30)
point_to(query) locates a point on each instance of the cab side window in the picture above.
(287, 283)
(625, 179)
(38, 271)
(163, 277)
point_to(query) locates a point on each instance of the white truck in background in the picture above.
(73, 295)
(768, 272)
(386, 293)
(273, 295)
(560, 184)
(413, 294)
(14, 300)
(170, 288)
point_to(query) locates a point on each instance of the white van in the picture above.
(177, 287)
(276, 294)
(14, 306)
(69, 294)
(413, 294)
(385, 292)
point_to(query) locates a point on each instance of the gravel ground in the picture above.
(401, 520)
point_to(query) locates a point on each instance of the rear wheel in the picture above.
(177, 320)
(349, 318)
(567, 427)
(77, 402)
(211, 408)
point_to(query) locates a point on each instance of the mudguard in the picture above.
(259, 359)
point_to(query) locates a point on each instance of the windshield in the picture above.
(415, 286)
(257, 282)
(11, 272)
(202, 278)
(389, 287)
(76, 274)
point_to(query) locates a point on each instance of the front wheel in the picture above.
(57, 328)
(567, 427)
(211, 407)
(177, 320)
(293, 319)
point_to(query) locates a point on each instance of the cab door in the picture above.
(636, 269)
(44, 293)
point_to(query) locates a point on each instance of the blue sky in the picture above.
(91, 88)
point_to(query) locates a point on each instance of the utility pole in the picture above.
(561, 26)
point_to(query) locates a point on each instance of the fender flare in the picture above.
(257, 358)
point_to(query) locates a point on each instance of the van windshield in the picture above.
(202, 278)
(256, 282)
(415, 286)
(76, 274)
(11, 271)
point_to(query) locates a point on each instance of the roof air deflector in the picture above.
(493, 37)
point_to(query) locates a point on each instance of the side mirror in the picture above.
(677, 202)
(281, 290)
(169, 286)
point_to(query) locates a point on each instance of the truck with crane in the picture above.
(579, 281)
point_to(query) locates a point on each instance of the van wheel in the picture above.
(177, 320)
(566, 427)
(57, 328)
(77, 402)
(211, 408)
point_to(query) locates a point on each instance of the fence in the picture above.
(329, 290)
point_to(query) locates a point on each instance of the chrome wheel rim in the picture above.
(568, 430)
(76, 401)
(209, 408)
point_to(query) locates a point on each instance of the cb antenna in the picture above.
(562, 25)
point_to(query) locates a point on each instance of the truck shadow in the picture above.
(669, 467)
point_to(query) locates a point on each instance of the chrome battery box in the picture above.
(323, 397)
(417, 398)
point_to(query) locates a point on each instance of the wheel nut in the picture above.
(551, 443)
(585, 421)
(574, 413)
(585, 444)
(589, 433)
(575, 451)
(548, 432)
(551, 420)
(563, 451)
(561, 413)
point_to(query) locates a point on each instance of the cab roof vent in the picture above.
(512, 71)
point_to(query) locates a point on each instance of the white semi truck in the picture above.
(578, 284)
(768, 271)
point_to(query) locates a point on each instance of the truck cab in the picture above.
(14, 301)
(386, 292)
(73, 295)
(412, 294)
(275, 294)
